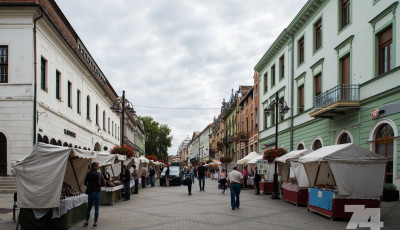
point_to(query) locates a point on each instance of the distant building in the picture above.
(183, 152)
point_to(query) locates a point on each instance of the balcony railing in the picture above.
(242, 137)
(343, 92)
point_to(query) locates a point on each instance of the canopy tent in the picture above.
(254, 161)
(248, 158)
(144, 160)
(41, 173)
(287, 163)
(120, 158)
(105, 158)
(357, 172)
(214, 163)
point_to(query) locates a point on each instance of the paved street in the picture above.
(171, 208)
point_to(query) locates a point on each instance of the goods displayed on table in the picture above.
(327, 187)
(67, 191)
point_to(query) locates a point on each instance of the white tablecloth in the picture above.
(65, 205)
(116, 188)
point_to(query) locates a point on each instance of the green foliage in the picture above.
(158, 138)
(389, 186)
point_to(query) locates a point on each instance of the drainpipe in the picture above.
(35, 74)
(292, 94)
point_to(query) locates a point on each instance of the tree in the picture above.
(158, 138)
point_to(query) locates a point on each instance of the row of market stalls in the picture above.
(327, 179)
(50, 182)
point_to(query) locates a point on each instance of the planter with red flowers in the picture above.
(123, 150)
(271, 154)
(152, 158)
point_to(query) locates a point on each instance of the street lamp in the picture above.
(275, 105)
(126, 105)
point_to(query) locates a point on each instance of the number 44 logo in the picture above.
(362, 215)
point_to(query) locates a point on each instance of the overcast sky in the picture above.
(178, 59)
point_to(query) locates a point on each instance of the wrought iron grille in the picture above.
(342, 92)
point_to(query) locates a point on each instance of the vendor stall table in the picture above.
(293, 194)
(325, 203)
(72, 210)
(109, 195)
(266, 187)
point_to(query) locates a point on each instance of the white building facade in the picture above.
(51, 89)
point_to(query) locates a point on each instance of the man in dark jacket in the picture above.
(257, 179)
(136, 176)
(126, 178)
(93, 183)
(152, 175)
(201, 175)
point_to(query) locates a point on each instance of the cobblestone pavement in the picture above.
(171, 208)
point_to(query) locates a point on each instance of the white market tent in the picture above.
(289, 161)
(105, 158)
(41, 173)
(357, 172)
(254, 161)
(248, 158)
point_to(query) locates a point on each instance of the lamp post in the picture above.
(275, 105)
(126, 105)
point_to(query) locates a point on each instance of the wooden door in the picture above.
(3, 155)
(345, 78)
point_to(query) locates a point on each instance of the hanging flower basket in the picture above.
(271, 154)
(152, 157)
(208, 161)
(226, 159)
(123, 150)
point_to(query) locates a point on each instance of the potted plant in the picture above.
(271, 154)
(390, 192)
(151, 157)
(123, 150)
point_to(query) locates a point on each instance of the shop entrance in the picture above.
(3, 155)
(384, 146)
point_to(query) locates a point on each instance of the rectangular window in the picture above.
(385, 51)
(282, 104)
(318, 34)
(247, 125)
(273, 76)
(345, 13)
(345, 81)
(272, 116)
(252, 123)
(69, 94)
(78, 101)
(300, 45)
(281, 67)
(256, 119)
(317, 85)
(108, 126)
(104, 120)
(58, 86)
(43, 77)
(112, 128)
(3, 64)
(301, 99)
(265, 120)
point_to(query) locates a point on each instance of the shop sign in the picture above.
(69, 133)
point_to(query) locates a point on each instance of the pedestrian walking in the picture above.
(201, 175)
(143, 174)
(167, 177)
(135, 175)
(192, 174)
(235, 179)
(152, 175)
(188, 177)
(93, 183)
(245, 177)
(257, 179)
(222, 180)
(126, 178)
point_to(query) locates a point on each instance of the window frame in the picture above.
(4, 65)
(69, 94)
(282, 67)
(58, 85)
(318, 33)
(301, 51)
(78, 101)
(348, 8)
(300, 107)
(88, 107)
(273, 72)
(43, 74)
(389, 55)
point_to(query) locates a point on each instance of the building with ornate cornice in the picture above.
(183, 152)
(51, 88)
(337, 66)
(230, 121)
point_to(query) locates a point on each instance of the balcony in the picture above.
(337, 101)
(242, 137)
(220, 145)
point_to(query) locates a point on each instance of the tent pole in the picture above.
(112, 170)
(76, 178)
(316, 176)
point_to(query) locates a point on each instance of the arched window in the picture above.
(384, 146)
(344, 139)
(3, 155)
(39, 138)
(84, 148)
(88, 107)
(65, 144)
(316, 145)
(97, 114)
(97, 147)
(53, 141)
(59, 143)
(300, 146)
(70, 145)
(45, 139)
